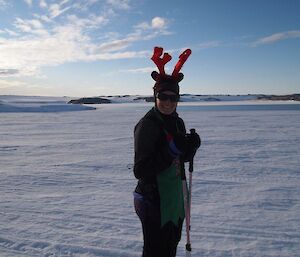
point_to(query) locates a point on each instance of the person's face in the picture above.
(166, 102)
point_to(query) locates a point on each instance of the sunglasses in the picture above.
(165, 97)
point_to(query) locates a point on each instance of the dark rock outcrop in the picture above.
(90, 100)
(293, 97)
(148, 99)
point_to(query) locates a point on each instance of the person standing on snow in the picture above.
(161, 147)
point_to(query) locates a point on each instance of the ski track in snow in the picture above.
(66, 183)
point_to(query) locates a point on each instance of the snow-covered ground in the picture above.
(66, 181)
(15, 103)
(38, 104)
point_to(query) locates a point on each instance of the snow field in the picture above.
(66, 183)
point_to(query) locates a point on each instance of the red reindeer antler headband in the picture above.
(161, 61)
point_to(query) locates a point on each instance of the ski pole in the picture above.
(188, 245)
(185, 198)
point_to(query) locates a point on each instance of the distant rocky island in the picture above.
(90, 100)
(293, 97)
(102, 100)
(183, 98)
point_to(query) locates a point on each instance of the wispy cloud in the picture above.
(29, 26)
(3, 4)
(10, 32)
(138, 70)
(43, 4)
(277, 37)
(142, 31)
(45, 40)
(119, 4)
(28, 2)
(58, 9)
(245, 41)
(208, 44)
(159, 23)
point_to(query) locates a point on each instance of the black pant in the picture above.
(158, 241)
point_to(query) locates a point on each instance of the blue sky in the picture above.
(103, 47)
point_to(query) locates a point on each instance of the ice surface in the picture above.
(66, 183)
(38, 104)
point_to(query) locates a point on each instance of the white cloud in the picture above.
(44, 18)
(25, 56)
(22, 25)
(115, 45)
(33, 26)
(43, 4)
(3, 4)
(92, 21)
(29, 2)
(138, 70)
(119, 4)
(157, 23)
(10, 32)
(277, 37)
(208, 44)
(45, 41)
(84, 5)
(116, 55)
(56, 10)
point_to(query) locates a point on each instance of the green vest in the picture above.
(171, 195)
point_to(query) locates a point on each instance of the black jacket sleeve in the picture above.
(151, 150)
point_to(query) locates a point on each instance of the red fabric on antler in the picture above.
(160, 62)
(182, 59)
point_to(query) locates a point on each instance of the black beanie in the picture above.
(166, 83)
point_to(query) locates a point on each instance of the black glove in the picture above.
(193, 140)
(178, 144)
(193, 143)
